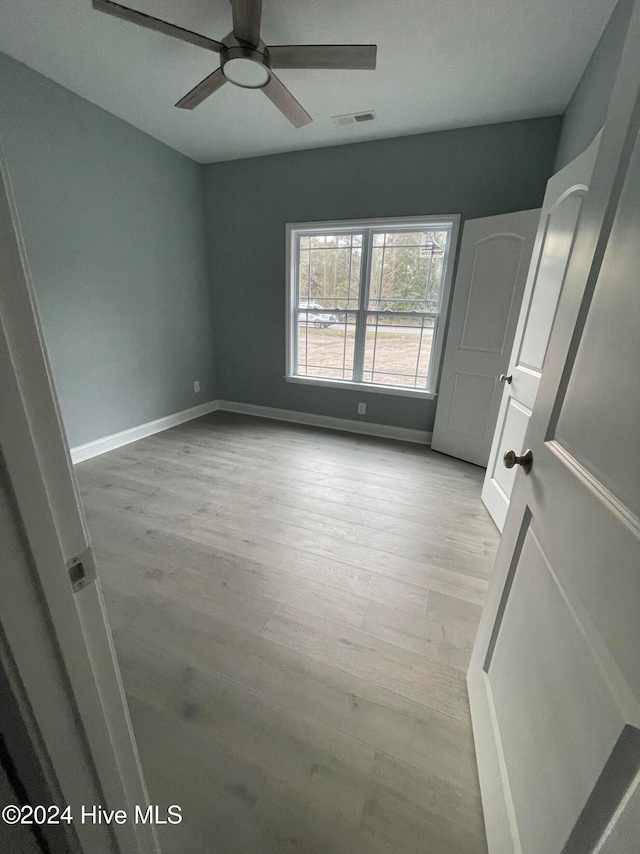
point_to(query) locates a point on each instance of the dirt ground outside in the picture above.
(390, 358)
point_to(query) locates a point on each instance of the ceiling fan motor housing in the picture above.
(245, 65)
(245, 59)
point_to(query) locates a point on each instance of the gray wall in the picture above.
(113, 225)
(115, 233)
(476, 172)
(587, 108)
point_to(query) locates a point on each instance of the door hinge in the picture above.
(82, 570)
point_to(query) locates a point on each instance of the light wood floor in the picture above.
(293, 612)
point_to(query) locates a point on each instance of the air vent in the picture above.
(354, 118)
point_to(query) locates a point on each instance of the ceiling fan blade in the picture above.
(202, 91)
(278, 94)
(156, 24)
(246, 20)
(362, 56)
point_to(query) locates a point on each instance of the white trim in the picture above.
(337, 225)
(376, 389)
(60, 641)
(366, 428)
(125, 437)
(440, 323)
(623, 513)
(384, 431)
(451, 221)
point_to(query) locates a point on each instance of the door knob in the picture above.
(511, 459)
(506, 378)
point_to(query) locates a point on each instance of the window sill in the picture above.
(366, 387)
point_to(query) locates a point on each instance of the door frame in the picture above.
(60, 641)
(614, 154)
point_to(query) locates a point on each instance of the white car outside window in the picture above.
(322, 319)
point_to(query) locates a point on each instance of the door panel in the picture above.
(557, 725)
(559, 220)
(471, 399)
(492, 269)
(596, 542)
(626, 832)
(554, 679)
(610, 820)
(555, 251)
(586, 428)
(486, 321)
(514, 428)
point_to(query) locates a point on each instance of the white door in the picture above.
(554, 680)
(554, 243)
(58, 636)
(492, 269)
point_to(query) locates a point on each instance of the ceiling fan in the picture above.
(245, 59)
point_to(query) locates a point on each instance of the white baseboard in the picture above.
(384, 431)
(117, 440)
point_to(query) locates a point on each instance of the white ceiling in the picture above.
(441, 64)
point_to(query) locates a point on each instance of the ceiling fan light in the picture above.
(245, 67)
(246, 73)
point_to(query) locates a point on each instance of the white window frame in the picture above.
(297, 229)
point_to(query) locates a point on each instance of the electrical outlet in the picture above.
(362, 409)
(196, 386)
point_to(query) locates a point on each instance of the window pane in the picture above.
(329, 270)
(407, 270)
(398, 350)
(398, 306)
(326, 343)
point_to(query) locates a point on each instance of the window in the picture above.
(367, 302)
